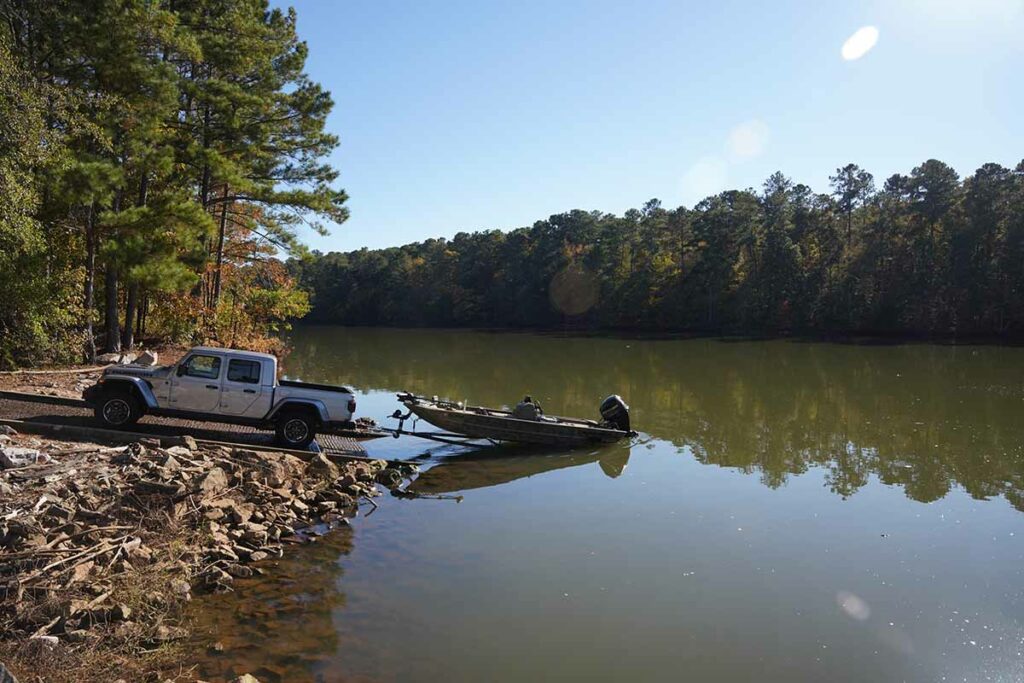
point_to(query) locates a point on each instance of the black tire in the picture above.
(117, 410)
(296, 429)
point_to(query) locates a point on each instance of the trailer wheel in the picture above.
(117, 410)
(296, 429)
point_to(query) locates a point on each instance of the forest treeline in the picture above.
(156, 159)
(925, 253)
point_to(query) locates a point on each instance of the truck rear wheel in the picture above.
(117, 410)
(296, 430)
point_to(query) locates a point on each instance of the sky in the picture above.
(470, 115)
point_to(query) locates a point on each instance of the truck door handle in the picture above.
(249, 391)
(212, 386)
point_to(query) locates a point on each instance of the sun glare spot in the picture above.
(709, 175)
(748, 139)
(853, 605)
(860, 43)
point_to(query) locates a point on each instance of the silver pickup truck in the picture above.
(222, 385)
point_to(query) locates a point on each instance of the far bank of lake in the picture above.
(792, 511)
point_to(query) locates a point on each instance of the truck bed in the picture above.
(308, 385)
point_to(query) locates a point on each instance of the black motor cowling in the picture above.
(615, 412)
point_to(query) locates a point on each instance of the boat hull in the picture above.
(504, 427)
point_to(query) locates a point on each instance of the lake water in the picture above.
(791, 511)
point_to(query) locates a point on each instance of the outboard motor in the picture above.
(615, 412)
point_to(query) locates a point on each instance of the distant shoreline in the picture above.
(852, 338)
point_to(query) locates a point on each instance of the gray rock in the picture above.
(390, 477)
(49, 641)
(147, 358)
(321, 467)
(12, 457)
(6, 676)
(8, 430)
(239, 571)
(119, 358)
(180, 451)
(187, 442)
(213, 482)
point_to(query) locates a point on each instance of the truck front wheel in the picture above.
(296, 430)
(117, 410)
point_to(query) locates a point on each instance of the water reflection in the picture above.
(278, 627)
(925, 418)
(466, 473)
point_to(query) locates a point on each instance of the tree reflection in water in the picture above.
(924, 417)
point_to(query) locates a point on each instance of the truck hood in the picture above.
(147, 371)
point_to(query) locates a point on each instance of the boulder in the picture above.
(119, 358)
(239, 513)
(323, 468)
(6, 676)
(245, 678)
(12, 457)
(213, 482)
(390, 477)
(147, 358)
(239, 571)
(183, 441)
(180, 451)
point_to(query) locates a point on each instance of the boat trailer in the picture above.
(441, 437)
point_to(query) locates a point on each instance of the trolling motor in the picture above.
(615, 412)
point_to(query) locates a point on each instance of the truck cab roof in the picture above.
(221, 350)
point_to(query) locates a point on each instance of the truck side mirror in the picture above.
(182, 369)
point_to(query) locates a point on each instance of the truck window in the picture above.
(244, 371)
(206, 367)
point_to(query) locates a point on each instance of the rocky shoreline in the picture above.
(101, 546)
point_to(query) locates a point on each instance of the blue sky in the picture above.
(459, 116)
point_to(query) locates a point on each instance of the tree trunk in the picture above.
(204, 196)
(112, 343)
(90, 284)
(143, 310)
(204, 186)
(131, 310)
(220, 248)
(128, 338)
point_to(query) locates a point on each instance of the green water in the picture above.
(791, 511)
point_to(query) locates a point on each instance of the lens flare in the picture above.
(860, 43)
(853, 605)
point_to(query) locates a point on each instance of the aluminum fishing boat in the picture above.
(476, 422)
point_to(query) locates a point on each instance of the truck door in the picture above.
(196, 384)
(243, 393)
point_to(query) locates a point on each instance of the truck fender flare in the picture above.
(144, 391)
(317, 405)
